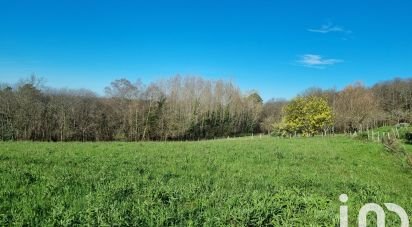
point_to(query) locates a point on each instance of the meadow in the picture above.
(237, 182)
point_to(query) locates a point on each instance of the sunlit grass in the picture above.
(248, 181)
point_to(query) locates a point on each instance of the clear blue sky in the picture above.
(276, 47)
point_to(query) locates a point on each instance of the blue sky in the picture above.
(277, 47)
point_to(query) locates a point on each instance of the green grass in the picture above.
(283, 182)
(392, 129)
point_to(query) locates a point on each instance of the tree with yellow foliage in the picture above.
(306, 116)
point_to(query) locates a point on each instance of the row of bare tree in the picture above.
(178, 108)
(181, 108)
(356, 107)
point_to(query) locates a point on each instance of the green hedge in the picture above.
(408, 137)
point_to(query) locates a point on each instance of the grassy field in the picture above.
(283, 182)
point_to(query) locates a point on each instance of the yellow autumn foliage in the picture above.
(306, 116)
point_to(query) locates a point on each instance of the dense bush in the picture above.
(279, 131)
(362, 136)
(408, 137)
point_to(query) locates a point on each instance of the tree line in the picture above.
(356, 107)
(179, 108)
(182, 108)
